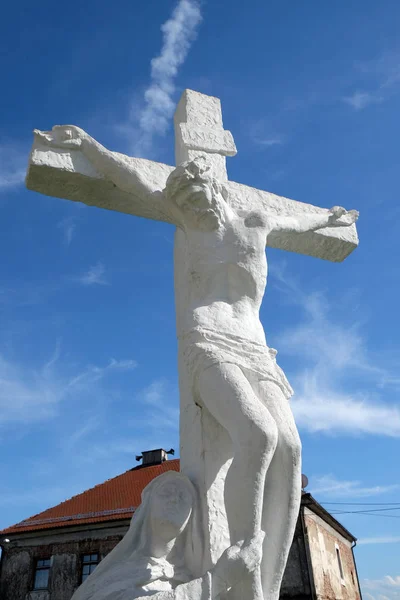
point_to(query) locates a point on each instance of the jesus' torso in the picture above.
(226, 274)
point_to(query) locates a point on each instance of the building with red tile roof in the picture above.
(113, 500)
(48, 555)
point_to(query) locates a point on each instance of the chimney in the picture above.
(154, 457)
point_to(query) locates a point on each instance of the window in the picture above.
(42, 571)
(339, 563)
(89, 563)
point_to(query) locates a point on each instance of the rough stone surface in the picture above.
(239, 444)
(324, 542)
(199, 129)
(65, 549)
(71, 543)
(329, 243)
(148, 561)
(68, 174)
(296, 580)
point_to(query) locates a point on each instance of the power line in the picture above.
(361, 512)
(363, 503)
(372, 510)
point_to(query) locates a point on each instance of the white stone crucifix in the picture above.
(239, 443)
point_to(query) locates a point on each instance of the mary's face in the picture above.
(171, 507)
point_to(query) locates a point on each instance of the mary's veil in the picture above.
(187, 557)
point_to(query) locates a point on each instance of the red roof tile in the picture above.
(112, 500)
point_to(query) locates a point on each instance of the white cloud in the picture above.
(383, 73)
(385, 68)
(13, 164)
(93, 373)
(387, 588)
(334, 354)
(360, 100)
(94, 276)
(11, 178)
(388, 539)
(272, 141)
(160, 402)
(320, 407)
(320, 338)
(68, 227)
(37, 497)
(263, 133)
(335, 488)
(124, 365)
(154, 393)
(30, 395)
(26, 293)
(158, 104)
(153, 424)
(26, 396)
(90, 426)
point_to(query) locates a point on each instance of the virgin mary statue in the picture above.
(157, 557)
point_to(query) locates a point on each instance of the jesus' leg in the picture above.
(229, 397)
(282, 491)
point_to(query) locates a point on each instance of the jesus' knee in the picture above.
(259, 436)
(289, 446)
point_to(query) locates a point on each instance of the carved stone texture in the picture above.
(157, 555)
(69, 174)
(239, 443)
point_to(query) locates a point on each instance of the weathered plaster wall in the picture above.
(19, 559)
(15, 574)
(66, 547)
(323, 541)
(296, 584)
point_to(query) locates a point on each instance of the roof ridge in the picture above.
(18, 524)
(79, 494)
(116, 498)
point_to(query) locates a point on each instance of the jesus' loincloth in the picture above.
(203, 348)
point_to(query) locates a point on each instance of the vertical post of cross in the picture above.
(199, 131)
(205, 447)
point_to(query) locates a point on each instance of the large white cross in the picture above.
(205, 447)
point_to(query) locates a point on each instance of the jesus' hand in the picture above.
(62, 136)
(341, 216)
(236, 563)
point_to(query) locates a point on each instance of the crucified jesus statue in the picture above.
(224, 359)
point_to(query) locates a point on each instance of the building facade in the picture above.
(48, 556)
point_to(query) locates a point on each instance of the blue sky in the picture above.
(88, 375)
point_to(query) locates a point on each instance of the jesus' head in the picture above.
(197, 194)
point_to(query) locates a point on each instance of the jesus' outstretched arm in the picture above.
(142, 180)
(336, 217)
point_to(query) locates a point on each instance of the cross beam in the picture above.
(199, 130)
